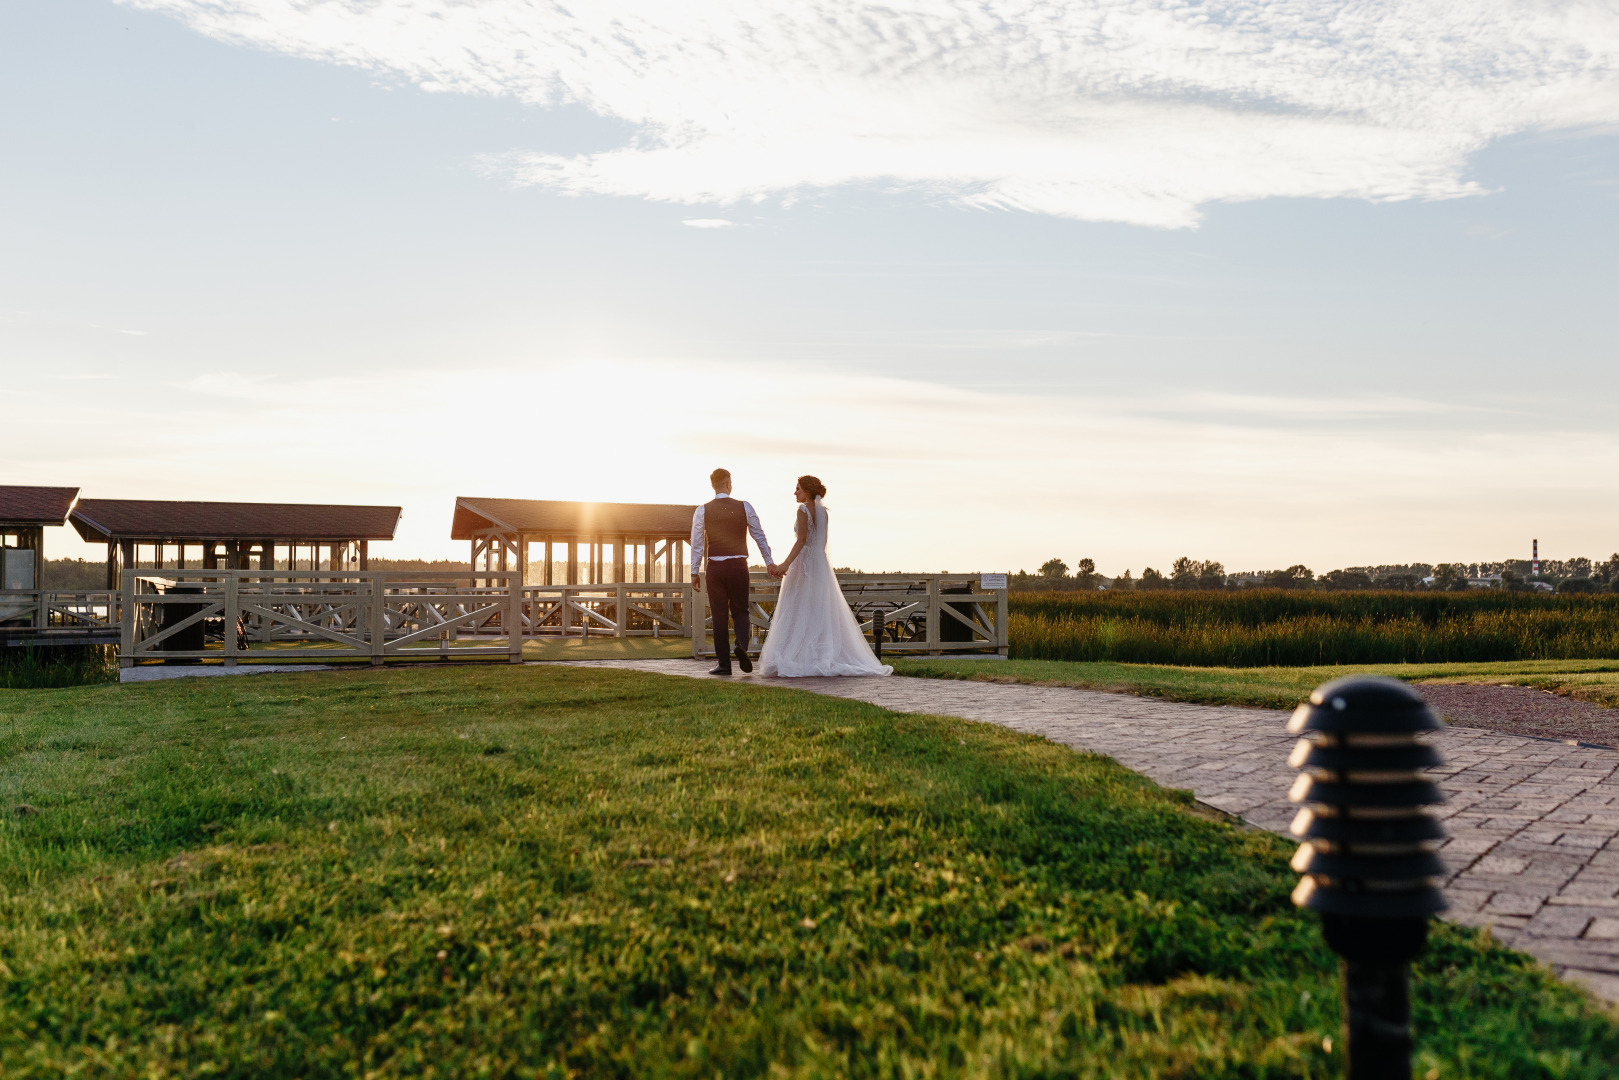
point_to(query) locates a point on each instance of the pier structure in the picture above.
(25, 513)
(583, 543)
(157, 534)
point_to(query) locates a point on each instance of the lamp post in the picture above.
(1368, 854)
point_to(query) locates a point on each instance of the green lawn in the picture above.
(499, 871)
(1271, 687)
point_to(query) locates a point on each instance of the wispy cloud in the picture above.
(708, 223)
(1121, 110)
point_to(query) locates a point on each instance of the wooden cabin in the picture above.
(24, 514)
(645, 541)
(156, 534)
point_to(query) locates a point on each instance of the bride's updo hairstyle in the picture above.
(812, 485)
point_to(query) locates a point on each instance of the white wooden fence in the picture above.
(919, 614)
(318, 615)
(46, 616)
(381, 615)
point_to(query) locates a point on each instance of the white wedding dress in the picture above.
(813, 632)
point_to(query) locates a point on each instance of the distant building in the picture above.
(25, 512)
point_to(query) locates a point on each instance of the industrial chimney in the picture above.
(1534, 558)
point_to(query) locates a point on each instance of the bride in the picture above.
(813, 632)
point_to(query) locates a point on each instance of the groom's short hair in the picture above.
(719, 477)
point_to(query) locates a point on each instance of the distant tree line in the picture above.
(1579, 575)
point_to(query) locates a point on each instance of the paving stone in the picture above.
(1501, 864)
(1466, 901)
(1508, 903)
(1532, 824)
(1591, 888)
(1559, 922)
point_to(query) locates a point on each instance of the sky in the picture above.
(1264, 283)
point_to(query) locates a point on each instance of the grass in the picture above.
(501, 871)
(52, 667)
(1274, 627)
(1267, 687)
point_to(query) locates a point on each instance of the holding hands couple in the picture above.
(812, 631)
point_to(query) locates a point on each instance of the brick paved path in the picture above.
(1532, 848)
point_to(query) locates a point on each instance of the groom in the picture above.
(719, 536)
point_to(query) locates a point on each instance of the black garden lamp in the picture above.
(1368, 854)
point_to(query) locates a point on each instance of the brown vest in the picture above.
(725, 523)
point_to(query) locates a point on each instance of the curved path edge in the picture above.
(1532, 824)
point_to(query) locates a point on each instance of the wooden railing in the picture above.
(919, 614)
(381, 615)
(286, 616)
(650, 609)
(51, 613)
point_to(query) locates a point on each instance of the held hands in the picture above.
(776, 571)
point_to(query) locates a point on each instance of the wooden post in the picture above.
(548, 560)
(573, 560)
(522, 560)
(1003, 638)
(514, 614)
(933, 616)
(377, 619)
(564, 613)
(697, 612)
(618, 559)
(365, 554)
(232, 613)
(126, 637)
(623, 616)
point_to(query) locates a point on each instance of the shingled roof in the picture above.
(100, 520)
(569, 518)
(35, 505)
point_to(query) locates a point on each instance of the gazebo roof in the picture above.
(473, 515)
(152, 520)
(35, 505)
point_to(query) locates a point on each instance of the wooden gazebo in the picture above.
(24, 514)
(647, 541)
(142, 534)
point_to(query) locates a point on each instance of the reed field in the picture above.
(1285, 628)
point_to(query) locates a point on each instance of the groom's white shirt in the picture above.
(699, 538)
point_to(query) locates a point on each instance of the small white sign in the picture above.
(986, 582)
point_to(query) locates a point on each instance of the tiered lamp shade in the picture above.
(1368, 840)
